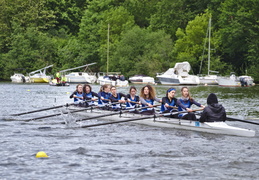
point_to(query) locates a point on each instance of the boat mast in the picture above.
(108, 36)
(209, 47)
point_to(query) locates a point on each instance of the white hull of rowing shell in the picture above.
(212, 127)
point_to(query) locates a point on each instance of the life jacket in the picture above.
(116, 106)
(89, 96)
(172, 103)
(132, 105)
(150, 101)
(105, 96)
(187, 104)
(78, 95)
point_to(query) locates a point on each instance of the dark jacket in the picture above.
(214, 111)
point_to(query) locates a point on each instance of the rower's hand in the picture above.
(149, 105)
(122, 101)
(166, 105)
(188, 109)
(202, 106)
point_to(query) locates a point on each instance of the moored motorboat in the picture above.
(112, 78)
(165, 122)
(141, 79)
(20, 78)
(234, 81)
(179, 75)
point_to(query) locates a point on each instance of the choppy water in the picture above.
(122, 151)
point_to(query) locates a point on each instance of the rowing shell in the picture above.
(208, 127)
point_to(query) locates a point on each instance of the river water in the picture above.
(122, 151)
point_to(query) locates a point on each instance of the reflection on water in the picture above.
(121, 151)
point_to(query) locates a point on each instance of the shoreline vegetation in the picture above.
(144, 37)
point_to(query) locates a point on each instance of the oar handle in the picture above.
(174, 107)
(134, 102)
(180, 112)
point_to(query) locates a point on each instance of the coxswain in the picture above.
(214, 111)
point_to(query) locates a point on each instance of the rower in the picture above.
(89, 95)
(104, 95)
(169, 102)
(147, 99)
(132, 100)
(78, 95)
(214, 111)
(117, 97)
(185, 102)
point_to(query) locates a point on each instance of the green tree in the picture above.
(141, 51)
(173, 14)
(190, 44)
(30, 50)
(94, 30)
(238, 34)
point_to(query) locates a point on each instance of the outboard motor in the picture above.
(243, 82)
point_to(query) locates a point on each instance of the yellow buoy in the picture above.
(28, 90)
(41, 154)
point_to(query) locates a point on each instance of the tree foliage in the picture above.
(145, 37)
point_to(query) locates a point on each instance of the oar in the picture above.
(240, 120)
(111, 114)
(57, 114)
(115, 122)
(174, 107)
(180, 112)
(54, 107)
(137, 119)
(39, 110)
(129, 120)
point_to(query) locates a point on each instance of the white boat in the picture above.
(142, 79)
(20, 78)
(39, 76)
(81, 77)
(234, 81)
(161, 121)
(208, 79)
(179, 75)
(112, 78)
(231, 81)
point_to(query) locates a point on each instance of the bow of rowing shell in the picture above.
(165, 122)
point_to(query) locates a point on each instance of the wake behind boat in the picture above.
(165, 122)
